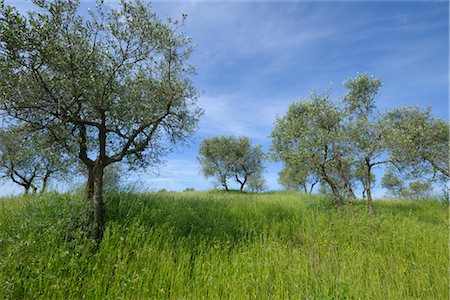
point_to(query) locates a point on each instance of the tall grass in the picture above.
(213, 245)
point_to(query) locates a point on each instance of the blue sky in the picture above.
(254, 58)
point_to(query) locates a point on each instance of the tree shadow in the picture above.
(196, 216)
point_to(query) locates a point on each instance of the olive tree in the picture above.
(343, 170)
(30, 160)
(298, 178)
(393, 183)
(364, 128)
(309, 136)
(229, 157)
(397, 187)
(111, 87)
(418, 141)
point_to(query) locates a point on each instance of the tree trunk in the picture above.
(336, 194)
(97, 173)
(27, 189)
(312, 187)
(242, 183)
(349, 193)
(305, 189)
(47, 175)
(224, 184)
(368, 186)
(44, 184)
(90, 185)
(333, 187)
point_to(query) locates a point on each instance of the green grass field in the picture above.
(215, 245)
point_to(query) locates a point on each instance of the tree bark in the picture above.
(90, 185)
(224, 183)
(349, 193)
(368, 186)
(332, 185)
(305, 189)
(97, 173)
(312, 187)
(242, 183)
(44, 185)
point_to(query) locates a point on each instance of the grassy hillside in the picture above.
(210, 245)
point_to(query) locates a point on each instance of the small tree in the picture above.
(294, 178)
(310, 136)
(228, 157)
(394, 184)
(365, 130)
(112, 87)
(419, 190)
(29, 159)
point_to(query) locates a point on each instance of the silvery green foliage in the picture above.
(30, 159)
(230, 158)
(298, 178)
(418, 142)
(114, 86)
(366, 132)
(393, 183)
(412, 189)
(111, 87)
(309, 137)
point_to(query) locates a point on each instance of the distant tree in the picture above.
(400, 188)
(394, 184)
(228, 157)
(418, 142)
(365, 131)
(256, 182)
(310, 136)
(29, 159)
(418, 190)
(214, 158)
(293, 178)
(248, 164)
(112, 178)
(114, 86)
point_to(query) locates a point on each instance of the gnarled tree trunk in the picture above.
(90, 185)
(349, 193)
(332, 185)
(241, 183)
(99, 219)
(368, 187)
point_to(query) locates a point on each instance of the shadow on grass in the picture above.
(205, 216)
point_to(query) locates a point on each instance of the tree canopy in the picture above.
(113, 86)
(342, 142)
(309, 136)
(418, 141)
(231, 158)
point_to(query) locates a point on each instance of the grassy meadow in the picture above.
(216, 245)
